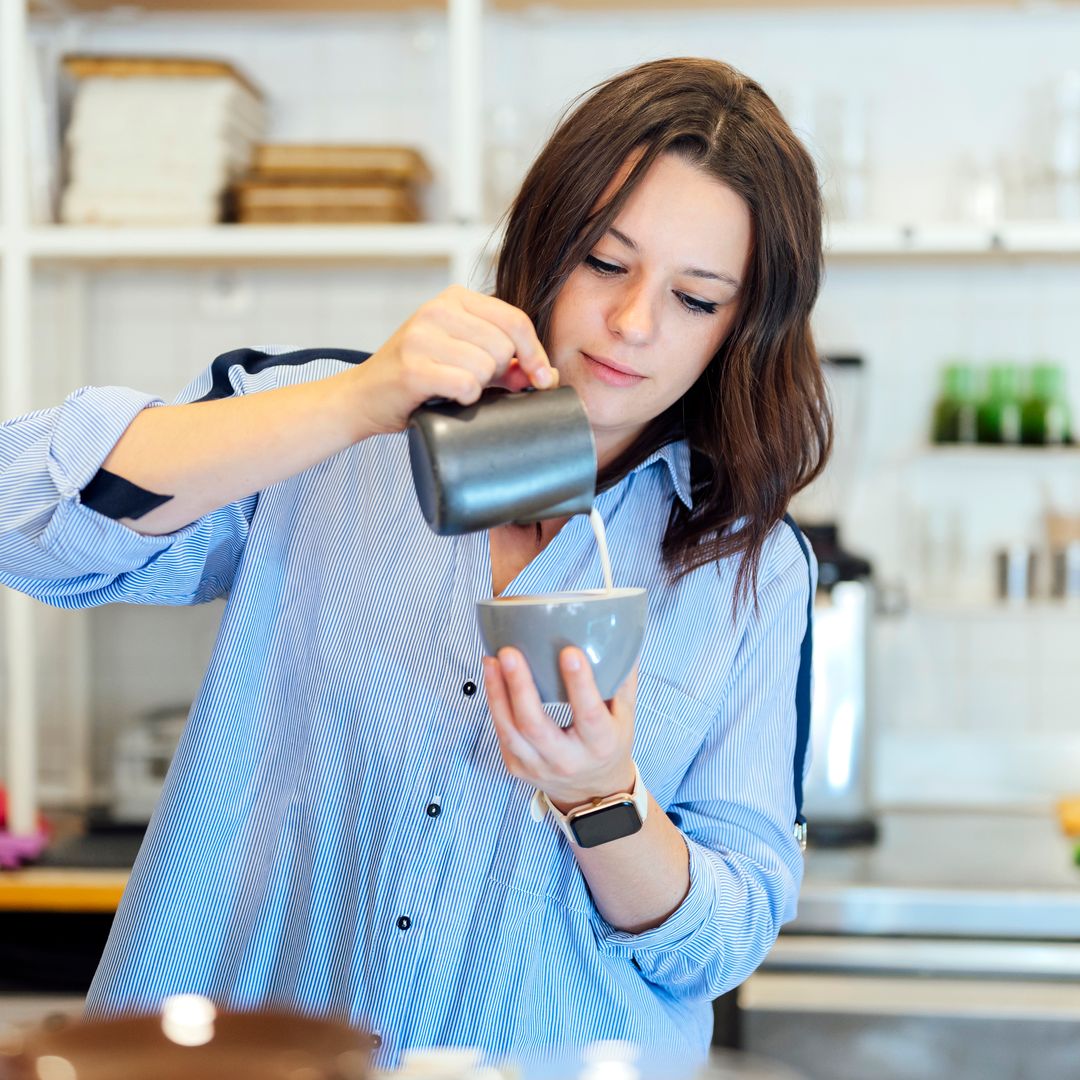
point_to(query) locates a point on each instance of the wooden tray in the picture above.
(354, 162)
(86, 65)
(265, 201)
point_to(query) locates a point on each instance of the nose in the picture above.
(633, 314)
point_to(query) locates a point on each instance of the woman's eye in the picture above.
(602, 267)
(692, 304)
(698, 307)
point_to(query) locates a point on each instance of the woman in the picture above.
(346, 827)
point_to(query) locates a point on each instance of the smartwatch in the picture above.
(601, 820)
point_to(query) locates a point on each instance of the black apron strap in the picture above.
(802, 688)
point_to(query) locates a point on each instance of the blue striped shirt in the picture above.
(338, 832)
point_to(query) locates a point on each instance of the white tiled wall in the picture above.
(970, 705)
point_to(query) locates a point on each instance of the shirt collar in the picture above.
(676, 456)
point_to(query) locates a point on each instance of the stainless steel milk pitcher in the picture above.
(518, 457)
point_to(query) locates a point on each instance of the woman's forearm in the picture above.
(210, 453)
(638, 881)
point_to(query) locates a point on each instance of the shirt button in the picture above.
(376, 1040)
(433, 809)
(404, 922)
(469, 688)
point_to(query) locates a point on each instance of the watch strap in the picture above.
(540, 806)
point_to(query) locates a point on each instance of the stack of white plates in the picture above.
(149, 150)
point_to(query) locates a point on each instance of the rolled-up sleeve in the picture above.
(63, 553)
(736, 810)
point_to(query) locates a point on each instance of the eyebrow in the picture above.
(692, 271)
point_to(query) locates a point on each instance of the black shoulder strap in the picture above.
(802, 687)
(118, 498)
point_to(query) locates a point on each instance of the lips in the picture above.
(611, 373)
(614, 365)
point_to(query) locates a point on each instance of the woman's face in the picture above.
(639, 320)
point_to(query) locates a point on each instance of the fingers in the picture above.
(452, 347)
(592, 717)
(515, 378)
(520, 758)
(456, 320)
(527, 714)
(574, 764)
(460, 372)
(530, 353)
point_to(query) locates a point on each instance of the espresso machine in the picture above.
(837, 793)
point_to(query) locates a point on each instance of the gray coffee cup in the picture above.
(519, 457)
(607, 626)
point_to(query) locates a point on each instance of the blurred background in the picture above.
(184, 178)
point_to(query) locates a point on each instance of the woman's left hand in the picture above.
(591, 758)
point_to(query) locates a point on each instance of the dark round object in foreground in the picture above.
(188, 1040)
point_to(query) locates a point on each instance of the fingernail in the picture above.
(573, 661)
(543, 377)
(508, 661)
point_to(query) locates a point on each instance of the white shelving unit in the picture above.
(460, 244)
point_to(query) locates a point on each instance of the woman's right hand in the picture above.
(452, 347)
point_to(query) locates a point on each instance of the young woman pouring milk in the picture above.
(346, 827)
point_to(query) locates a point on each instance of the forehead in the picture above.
(677, 203)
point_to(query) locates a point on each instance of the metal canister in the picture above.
(1016, 573)
(1065, 565)
(510, 457)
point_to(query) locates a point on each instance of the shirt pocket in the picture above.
(670, 727)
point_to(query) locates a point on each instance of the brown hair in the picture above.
(757, 421)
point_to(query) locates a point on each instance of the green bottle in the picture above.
(1000, 410)
(1045, 419)
(956, 409)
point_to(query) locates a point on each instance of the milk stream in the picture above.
(601, 542)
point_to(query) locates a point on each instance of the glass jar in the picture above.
(956, 409)
(999, 416)
(1045, 419)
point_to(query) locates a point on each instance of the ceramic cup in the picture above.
(607, 626)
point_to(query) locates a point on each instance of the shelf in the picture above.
(300, 243)
(977, 455)
(262, 243)
(257, 7)
(41, 889)
(305, 6)
(1017, 238)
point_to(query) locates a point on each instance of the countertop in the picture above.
(951, 873)
(54, 889)
(963, 873)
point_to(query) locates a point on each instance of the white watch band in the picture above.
(540, 807)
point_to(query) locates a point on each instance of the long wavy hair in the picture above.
(757, 421)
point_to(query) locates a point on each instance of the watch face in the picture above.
(593, 827)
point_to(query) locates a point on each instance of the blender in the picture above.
(837, 791)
